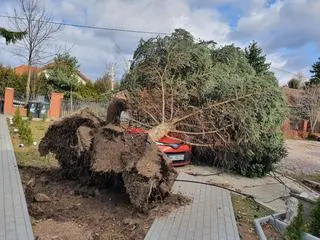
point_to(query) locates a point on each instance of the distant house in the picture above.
(23, 70)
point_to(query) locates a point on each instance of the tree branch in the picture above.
(211, 106)
(202, 133)
(190, 143)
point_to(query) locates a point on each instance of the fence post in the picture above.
(8, 101)
(55, 105)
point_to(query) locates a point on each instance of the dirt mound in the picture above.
(86, 148)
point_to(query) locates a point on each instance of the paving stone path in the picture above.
(14, 218)
(209, 215)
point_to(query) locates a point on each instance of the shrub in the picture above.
(314, 227)
(17, 119)
(295, 229)
(25, 133)
(23, 127)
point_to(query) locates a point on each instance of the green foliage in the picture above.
(30, 116)
(296, 228)
(25, 133)
(23, 127)
(103, 84)
(315, 220)
(315, 78)
(256, 58)
(87, 92)
(39, 85)
(258, 141)
(294, 83)
(10, 79)
(10, 36)
(195, 75)
(17, 119)
(62, 75)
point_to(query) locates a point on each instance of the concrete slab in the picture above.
(266, 190)
(209, 215)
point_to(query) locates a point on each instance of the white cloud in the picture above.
(97, 48)
(278, 26)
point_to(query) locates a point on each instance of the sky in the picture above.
(286, 30)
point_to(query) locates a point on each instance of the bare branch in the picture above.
(32, 18)
(154, 119)
(202, 133)
(211, 106)
(141, 123)
(190, 143)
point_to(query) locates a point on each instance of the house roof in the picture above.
(23, 69)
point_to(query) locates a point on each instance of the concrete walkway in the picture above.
(14, 218)
(267, 190)
(209, 215)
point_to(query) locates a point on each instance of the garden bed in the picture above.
(276, 221)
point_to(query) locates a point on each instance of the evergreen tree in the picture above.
(256, 58)
(10, 36)
(62, 75)
(315, 78)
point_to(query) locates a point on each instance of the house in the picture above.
(294, 126)
(23, 70)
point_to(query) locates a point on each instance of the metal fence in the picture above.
(69, 107)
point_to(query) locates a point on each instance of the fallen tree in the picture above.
(210, 98)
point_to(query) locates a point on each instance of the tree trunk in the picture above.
(28, 83)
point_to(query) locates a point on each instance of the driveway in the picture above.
(303, 157)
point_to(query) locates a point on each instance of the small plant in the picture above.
(314, 226)
(24, 128)
(30, 116)
(17, 119)
(44, 117)
(296, 227)
(25, 133)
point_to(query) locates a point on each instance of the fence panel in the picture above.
(98, 108)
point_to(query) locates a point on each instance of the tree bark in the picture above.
(28, 83)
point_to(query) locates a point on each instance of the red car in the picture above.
(178, 152)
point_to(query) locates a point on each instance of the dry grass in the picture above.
(246, 210)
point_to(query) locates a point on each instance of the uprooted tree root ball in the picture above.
(87, 149)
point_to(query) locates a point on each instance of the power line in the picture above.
(88, 26)
(286, 71)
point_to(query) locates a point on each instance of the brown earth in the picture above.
(271, 233)
(77, 211)
(93, 152)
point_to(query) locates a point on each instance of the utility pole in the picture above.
(112, 76)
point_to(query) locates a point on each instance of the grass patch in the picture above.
(312, 177)
(29, 155)
(246, 210)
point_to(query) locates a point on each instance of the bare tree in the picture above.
(32, 18)
(310, 105)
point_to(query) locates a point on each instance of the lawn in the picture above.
(29, 155)
(246, 210)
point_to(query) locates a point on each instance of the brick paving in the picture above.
(14, 218)
(209, 215)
